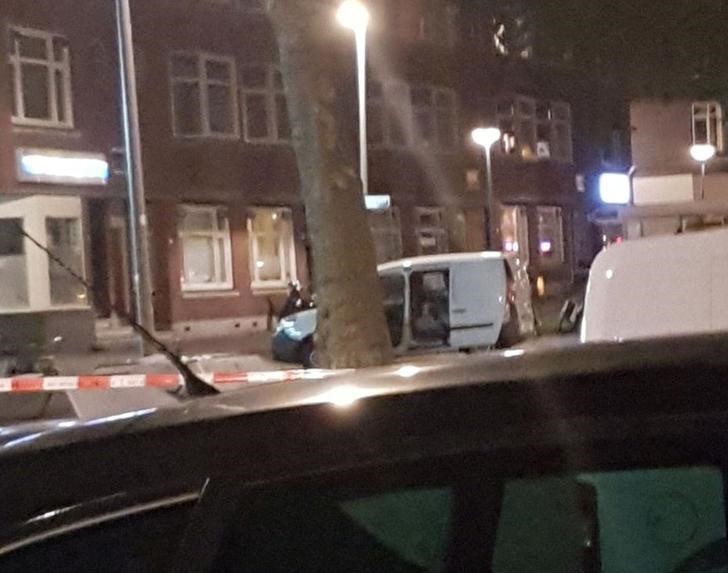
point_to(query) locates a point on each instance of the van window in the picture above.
(430, 307)
(393, 293)
(658, 520)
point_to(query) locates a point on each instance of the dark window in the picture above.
(137, 544)
(430, 307)
(393, 291)
(11, 241)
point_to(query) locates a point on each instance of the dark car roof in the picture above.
(416, 376)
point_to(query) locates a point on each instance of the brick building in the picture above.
(226, 220)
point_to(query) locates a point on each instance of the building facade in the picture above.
(225, 216)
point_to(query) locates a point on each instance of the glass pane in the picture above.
(222, 260)
(13, 269)
(446, 129)
(254, 77)
(550, 233)
(277, 80)
(36, 91)
(187, 108)
(282, 119)
(268, 261)
(218, 71)
(198, 221)
(199, 260)
(12, 87)
(63, 238)
(60, 96)
(184, 66)
(425, 126)
(256, 116)
(395, 531)
(221, 110)
(60, 49)
(30, 47)
(657, 520)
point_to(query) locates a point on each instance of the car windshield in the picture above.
(199, 196)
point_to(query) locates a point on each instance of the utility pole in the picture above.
(138, 228)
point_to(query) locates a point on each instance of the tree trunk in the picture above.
(352, 331)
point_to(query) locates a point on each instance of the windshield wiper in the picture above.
(194, 385)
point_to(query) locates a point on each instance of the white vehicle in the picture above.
(660, 286)
(436, 303)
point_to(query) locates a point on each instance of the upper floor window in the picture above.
(265, 113)
(536, 129)
(204, 99)
(708, 124)
(438, 23)
(406, 116)
(40, 79)
(431, 231)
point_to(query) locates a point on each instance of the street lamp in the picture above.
(702, 153)
(355, 16)
(485, 137)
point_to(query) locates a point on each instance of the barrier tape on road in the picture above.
(20, 384)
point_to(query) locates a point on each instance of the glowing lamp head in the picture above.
(353, 15)
(486, 136)
(614, 188)
(702, 153)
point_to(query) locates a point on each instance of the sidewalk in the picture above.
(244, 352)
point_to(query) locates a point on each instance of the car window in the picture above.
(405, 530)
(658, 520)
(136, 544)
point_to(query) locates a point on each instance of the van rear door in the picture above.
(477, 302)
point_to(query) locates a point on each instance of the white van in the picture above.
(659, 286)
(438, 302)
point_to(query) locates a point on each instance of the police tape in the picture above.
(21, 384)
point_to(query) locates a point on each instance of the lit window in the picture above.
(63, 236)
(40, 79)
(272, 249)
(708, 124)
(514, 231)
(550, 234)
(204, 101)
(265, 113)
(431, 231)
(536, 129)
(386, 233)
(13, 265)
(206, 251)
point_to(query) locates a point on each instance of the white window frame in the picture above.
(201, 79)
(222, 260)
(438, 230)
(286, 248)
(270, 92)
(64, 67)
(709, 112)
(559, 253)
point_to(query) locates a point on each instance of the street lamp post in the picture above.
(485, 137)
(702, 153)
(355, 16)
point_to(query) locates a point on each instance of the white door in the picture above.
(477, 302)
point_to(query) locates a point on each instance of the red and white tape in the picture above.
(126, 381)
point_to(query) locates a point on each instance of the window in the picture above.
(63, 237)
(393, 300)
(206, 252)
(265, 112)
(272, 249)
(438, 23)
(514, 231)
(430, 307)
(431, 231)
(203, 95)
(142, 542)
(434, 117)
(13, 265)
(386, 233)
(40, 79)
(550, 234)
(536, 129)
(708, 124)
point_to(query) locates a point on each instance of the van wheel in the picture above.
(510, 333)
(308, 354)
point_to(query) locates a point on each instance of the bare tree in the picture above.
(352, 331)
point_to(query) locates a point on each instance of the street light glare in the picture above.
(486, 136)
(702, 152)
(353, 15)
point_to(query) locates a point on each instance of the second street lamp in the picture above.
(702, 153)
(355, 16)
(485, 137)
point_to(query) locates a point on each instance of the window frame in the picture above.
(203, 82)
(16, 61)
(270, 92)
(560, 252)
(439, 231)
(709, 112)
(220, 260)
(286, 248)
